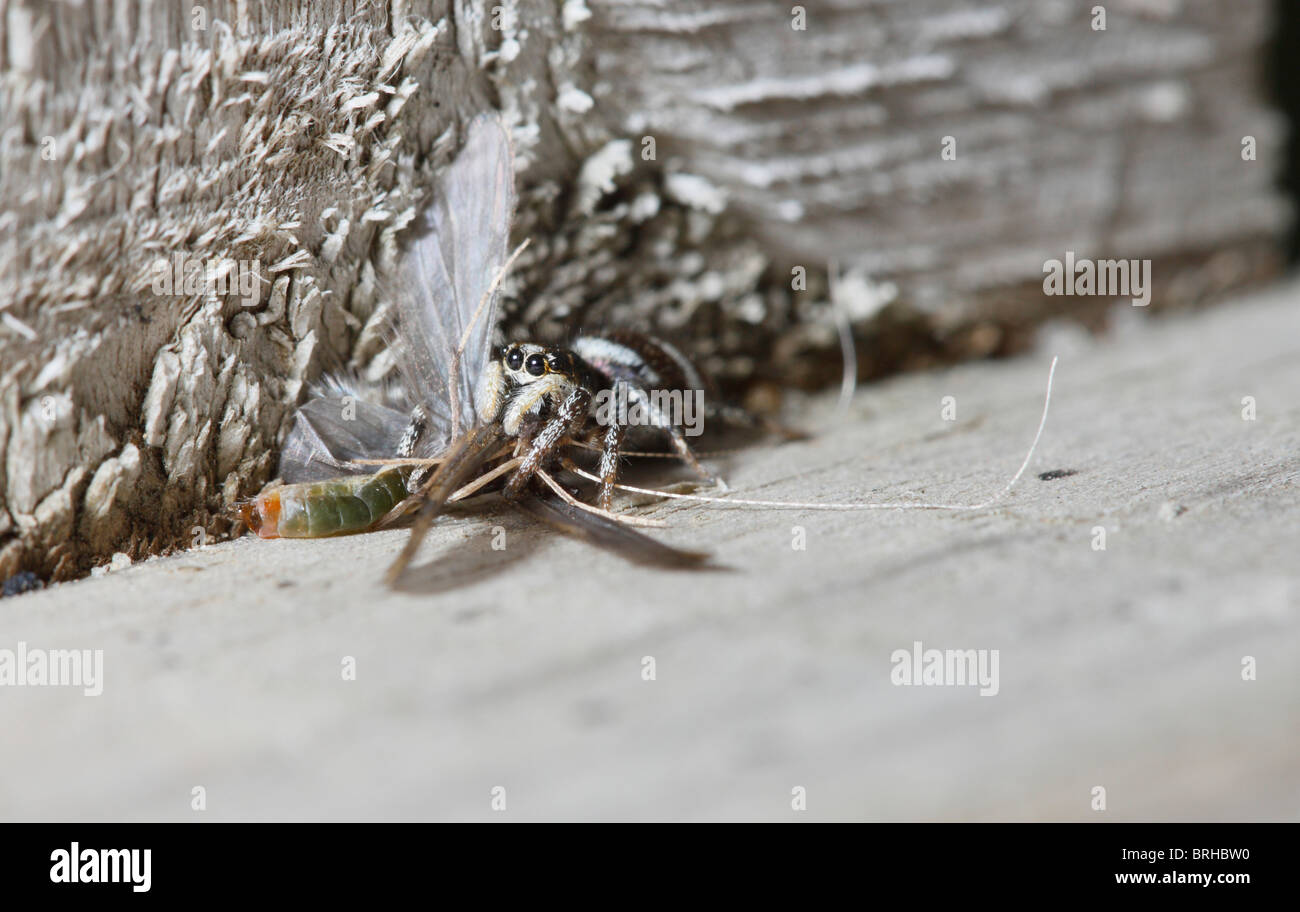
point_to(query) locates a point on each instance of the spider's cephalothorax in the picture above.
(544, 397)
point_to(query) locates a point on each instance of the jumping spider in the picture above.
(543, 398)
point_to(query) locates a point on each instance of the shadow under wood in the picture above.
(472, 560)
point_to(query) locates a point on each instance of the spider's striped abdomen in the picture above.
(322, 508)
(649, 362)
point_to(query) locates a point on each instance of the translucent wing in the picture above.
(445, 282)
(331, 430)
(441, 288)
(607, 534)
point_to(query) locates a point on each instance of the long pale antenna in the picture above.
(453, 374)
(791, 505)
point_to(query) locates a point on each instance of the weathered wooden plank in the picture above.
(523, 668)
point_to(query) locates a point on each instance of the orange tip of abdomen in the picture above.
(262, 514)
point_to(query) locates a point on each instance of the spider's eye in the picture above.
(514, 359)
(536, 365)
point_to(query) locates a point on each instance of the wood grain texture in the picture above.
(1122, 141)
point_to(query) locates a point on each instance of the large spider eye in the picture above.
(514, 359)
(536, 365)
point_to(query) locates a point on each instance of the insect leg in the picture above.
(464, 458)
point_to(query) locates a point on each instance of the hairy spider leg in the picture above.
(609, 463)
(568, 418)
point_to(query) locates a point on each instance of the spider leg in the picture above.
(547, 441)
(688, 456)
(528, 428)
(638, 395)
(609, 459)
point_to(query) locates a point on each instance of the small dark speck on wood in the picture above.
(20, 582)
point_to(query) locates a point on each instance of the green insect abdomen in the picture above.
(322, 508)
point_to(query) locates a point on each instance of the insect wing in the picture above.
(446, 310)
(331, 431)
(612, 536)
(461, 461)
(443, 284)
